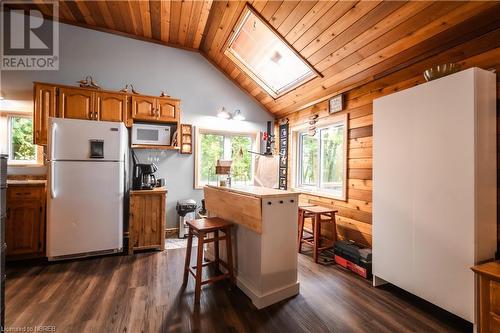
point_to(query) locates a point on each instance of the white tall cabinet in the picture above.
(434, 187)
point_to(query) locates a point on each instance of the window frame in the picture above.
(38, 161)
(254, 136)
(296, 172)
(247, 70)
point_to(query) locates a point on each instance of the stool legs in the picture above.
(229, 250)
(316, 234)
(199, 266)
(188, 258)
(216, 249)
(301, 229)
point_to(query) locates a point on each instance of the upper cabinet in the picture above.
(110, 106)
(44, 107)
(143, 108)
(167, 109)
(157, 109)
(52, 100)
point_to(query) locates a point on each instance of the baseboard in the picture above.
(263, 300)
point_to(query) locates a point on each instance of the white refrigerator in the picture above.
(86, 187)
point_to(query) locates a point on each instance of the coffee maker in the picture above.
(143, 177)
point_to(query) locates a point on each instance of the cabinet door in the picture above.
(110, 107)
(167, 109)
(76, 103)
(147, 218)
(44, 107)
(22, 228)
(143, 108)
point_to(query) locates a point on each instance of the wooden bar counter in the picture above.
(265, 239)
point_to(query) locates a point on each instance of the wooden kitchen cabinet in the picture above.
(76, 103)
(110, 106)
(147, 219)
(168, 109)
(25, 223)
(488, 297)
(44, 107)
(143, 108)
(158, 109)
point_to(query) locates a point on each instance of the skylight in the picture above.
(258, 50)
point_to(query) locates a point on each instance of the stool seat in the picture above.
(318, 210)
(208, 224)
(200, 228)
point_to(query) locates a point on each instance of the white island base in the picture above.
(264, 239)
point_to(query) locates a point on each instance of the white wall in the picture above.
(114, 61)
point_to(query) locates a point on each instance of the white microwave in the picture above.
(150, 134)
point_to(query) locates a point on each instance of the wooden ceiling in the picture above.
(349, 42)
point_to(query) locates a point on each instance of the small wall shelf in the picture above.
(186, 134)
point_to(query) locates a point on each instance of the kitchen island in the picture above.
(265, 239)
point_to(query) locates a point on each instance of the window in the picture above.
(259, 51)
(212, 146)
(21, 147)
(321, 160)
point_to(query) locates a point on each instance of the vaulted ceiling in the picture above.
(349, 42)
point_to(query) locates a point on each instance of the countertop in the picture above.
(155, 190)
(256, 191)
(491, 269)
(26, 182)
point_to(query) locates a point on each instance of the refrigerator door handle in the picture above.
(53, 143)
(52, 180)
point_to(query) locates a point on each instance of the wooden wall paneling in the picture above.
(155, 15)
(319, 9)
(186, 10)
(104, 10)
(192, 25)
(175, 19)
(165, 20)
(381, 28)
(207, 5)
(351, 66)
(213, 23)
(229, 19)
(358, 13)
(295, 16)
(145, 19)
(282, 13)
(270, 8)
(332, 15)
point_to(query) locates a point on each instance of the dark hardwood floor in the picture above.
(142, 293)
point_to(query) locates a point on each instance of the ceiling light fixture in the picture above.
(236, 115)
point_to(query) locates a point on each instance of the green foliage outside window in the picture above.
(22, 139)
(242, 161)
(212, 149)
(322, 159)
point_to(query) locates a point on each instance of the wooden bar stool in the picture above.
(315, 212)
(200, 228)
(302, 215)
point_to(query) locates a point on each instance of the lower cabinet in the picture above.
(147, 220)
(25, 223)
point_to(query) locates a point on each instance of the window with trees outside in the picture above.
(212, 146)
(321, 160)
(22, 150)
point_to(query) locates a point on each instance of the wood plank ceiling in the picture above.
(349, 42)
